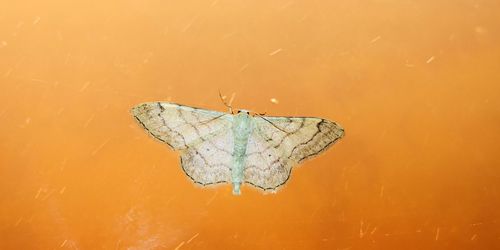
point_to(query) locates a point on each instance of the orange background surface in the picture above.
(415, 84)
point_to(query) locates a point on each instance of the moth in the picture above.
(236, 147)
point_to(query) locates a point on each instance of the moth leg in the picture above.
(259, 114)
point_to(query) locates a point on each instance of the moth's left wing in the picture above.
(279, 143)
(204, 138)
(180, 126)
(209, 162)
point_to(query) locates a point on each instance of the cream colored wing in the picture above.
(180, 126)
(210, 161)
(279, 143)
(204, 138)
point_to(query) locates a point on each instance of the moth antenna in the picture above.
(232, 99)
(263, 118)
(223, 99)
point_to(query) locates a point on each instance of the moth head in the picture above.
(244, 111)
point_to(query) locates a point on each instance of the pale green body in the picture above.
(242, 128)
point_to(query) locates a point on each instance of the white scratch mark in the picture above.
(212, 198)
(214, 3)
(430, 59)
(62, 190)
(118, 244)
(147, 57)
(59, 35)
(409, 65)
(314, 212)
(60, 111)
(100, 147)
(480, 30)
(48, 195)
(8, 72)
(38, 193)
(243, 68)
(381, 191)
(129, 218)
(228, 35)
(85, 86)
(179, 246)
(361, 232)
(192, 238)
(37, 19)
(39, 80)
(437, 234)
(186, 28)
(86, 124)
(374, 40)
(3, 44)
(19, 25)
(274, 100)
(231, 99)
(473, 237)
(169, 200)
(68, 56)
(63, 164)
(304, 17)
(18, 221)
(275, 52)
(64, 243)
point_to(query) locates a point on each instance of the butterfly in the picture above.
(237, 148)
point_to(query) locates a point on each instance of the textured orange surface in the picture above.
(415, 84)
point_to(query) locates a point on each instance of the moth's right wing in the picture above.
(279, 143)
(204, 138)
